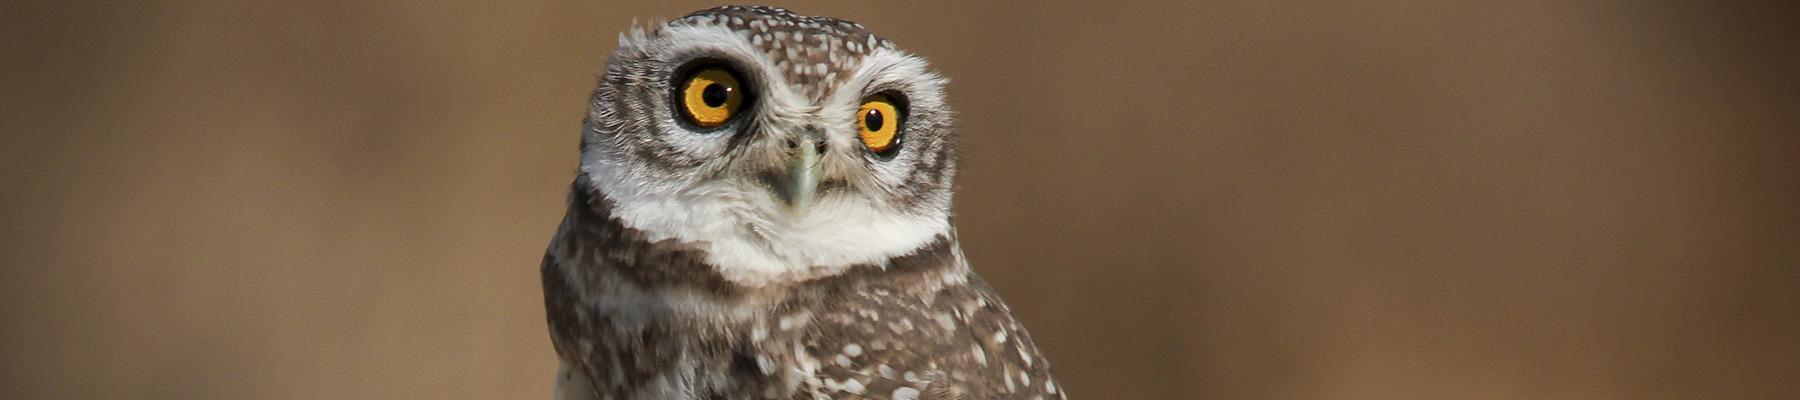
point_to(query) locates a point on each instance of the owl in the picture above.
(763, 211)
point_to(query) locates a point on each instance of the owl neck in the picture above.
(599, 245)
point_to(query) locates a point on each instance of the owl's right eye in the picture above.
(710, 96)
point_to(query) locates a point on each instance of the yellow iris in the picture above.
(711, 96)
(877, 122)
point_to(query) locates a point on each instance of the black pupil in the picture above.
(714, 94)
(873, 120)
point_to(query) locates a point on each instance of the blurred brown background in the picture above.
(271, 200)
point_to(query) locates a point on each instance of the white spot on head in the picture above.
(853, 350)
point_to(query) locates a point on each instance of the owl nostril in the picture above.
(818, 146)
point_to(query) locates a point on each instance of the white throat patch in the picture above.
(754, 241)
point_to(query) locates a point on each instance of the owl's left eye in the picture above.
(878, 123)
(710, 96)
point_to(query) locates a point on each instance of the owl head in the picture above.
(783, 147)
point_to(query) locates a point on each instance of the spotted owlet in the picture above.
(763, 211)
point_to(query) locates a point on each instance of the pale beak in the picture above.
(800, 180)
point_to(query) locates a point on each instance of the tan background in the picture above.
(271, 200)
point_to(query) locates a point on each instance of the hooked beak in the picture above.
(799, 181)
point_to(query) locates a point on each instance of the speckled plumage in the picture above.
(802, 48)
(675, 274)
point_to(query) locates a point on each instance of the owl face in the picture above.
(786, 147)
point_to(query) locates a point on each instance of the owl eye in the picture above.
(710, 96)
(878, 124)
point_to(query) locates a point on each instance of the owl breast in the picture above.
(637, 319)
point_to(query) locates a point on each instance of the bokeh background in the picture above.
(1526, 200)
